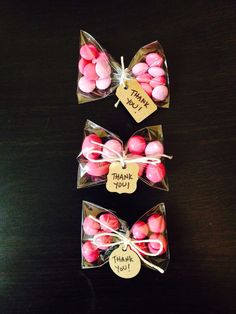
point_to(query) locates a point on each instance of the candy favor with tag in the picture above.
(107, 238)
(104, 158)
(141, 87)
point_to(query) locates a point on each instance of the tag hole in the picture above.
(123, 249)
(126, 87)
(124, 167)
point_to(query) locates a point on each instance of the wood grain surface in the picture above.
(41, 133)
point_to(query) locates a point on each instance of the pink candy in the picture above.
(160, 92)
(147, 88)
(142, 167)
(82, 64)
(109, 220)
(88, 52)
(97, 169)
(154, 148)
(140, 68)
(155, 173)
(159, 80)
(89, 143)
(154, 59)
(90, 252)
(156, 223)
(86, 85)
(114, 145)
(95, 67)
(136, 144)
(91, 248)
(142, 246)
(90, 226)
(152, 76)
(90, 73)
(102, 55)
(144, 78)
(140, 230)
(154, 247)
(103, 68)
(153, 229)
(102, 240)
(103, 83)
(156, 71)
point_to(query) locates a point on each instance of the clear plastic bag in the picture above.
(99, 75)
(147, 235)
(94, 172)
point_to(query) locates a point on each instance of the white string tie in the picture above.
(124, 76)
(122, 158)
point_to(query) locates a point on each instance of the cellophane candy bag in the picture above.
(100, 148)
(99, 75)
(102, 232)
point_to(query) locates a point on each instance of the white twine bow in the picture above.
(127, 241)
(123, 77)
(123, 159)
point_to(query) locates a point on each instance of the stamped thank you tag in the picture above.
(125, 263)
(122, 179)
(135, 100)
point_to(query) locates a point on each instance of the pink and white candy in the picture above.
(143, 246)
(103, 83)
(102, 240)
(154, 148)
(88, 52)
(160, 92)
(90, 252)
(103, 68)
(144, 78)
(82, 64)
(136, 145)
(86, 85)
(95, 67)
(140, 68)
(159, 80)
(91, 143)
(140, 230)
(155, 173)
(147, 88)
(154, 59)
(109, 220)
(90, 73)
(154, 247)
(109, 147)
(97, 169)
(152, 76)
(90, 226)
(156, 71)
(156, 223)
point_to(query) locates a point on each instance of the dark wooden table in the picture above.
(41, 133)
